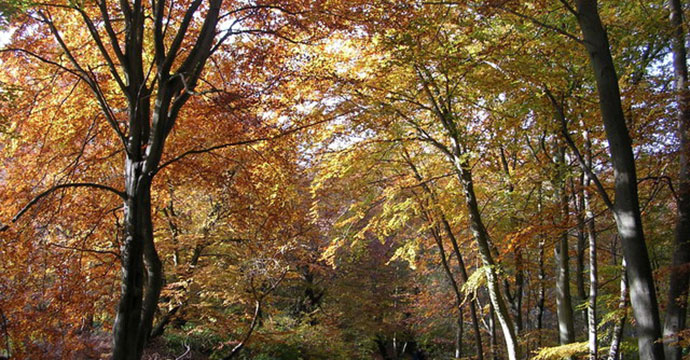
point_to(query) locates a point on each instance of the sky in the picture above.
(5, 37)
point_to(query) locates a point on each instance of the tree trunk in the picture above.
(481, 236)
(566, 328)
(461, 263)
(515, 298)
(626, 207)
(492, 334)
(458, 335)
(676, 306)
(542, 273)
(593, 269)
(617, 336)
(451, 279)
(579, 205)
(127, 329)
(463, 273)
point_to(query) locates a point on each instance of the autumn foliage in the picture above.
(317, 179)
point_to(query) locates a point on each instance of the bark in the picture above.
(593, 269)
(457, 157)
(159, 329)
(458, 335)
(463, 274)
(542, 273)
(626, 208)
(579, 205)
(676, 306)
(456, 248)
(148, 131)
(492, 334)
(617, 336)
(481, 236)
(236, 350)
(515, 298)
(566, 328)
(453, 283)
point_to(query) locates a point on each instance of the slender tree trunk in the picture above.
(579, 205)
(566, 328)
(481, 236)
(542, 273)
(453, 283)
(458, 335)
(617, 336)
(676, 306)
(461, 263)
(515, 298)
(593, 269)
(626, 208)
(456, 156)
(463, 273)
(492, 333)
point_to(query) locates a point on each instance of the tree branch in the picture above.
(238, 143)
(571, 144)
(38, 197)
(544, 25)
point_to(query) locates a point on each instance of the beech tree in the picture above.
(343, 179)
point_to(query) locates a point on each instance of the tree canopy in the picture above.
(319, 179)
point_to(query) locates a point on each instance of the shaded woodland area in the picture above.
(331, 179)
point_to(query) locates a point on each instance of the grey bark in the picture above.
(542, 271)
(457, 157)
(579, 206)
(461, 264)
(592, 240)
(617, 335)
(463, 273)
(677, 301)
(626, 208)
(514, 297)
(566, 327)
(458, 335)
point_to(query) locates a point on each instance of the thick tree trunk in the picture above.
(676, 306)
(626, 208)
(127, 324)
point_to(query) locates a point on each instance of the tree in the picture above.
(626, 207)
(676, 303)
(141, 74)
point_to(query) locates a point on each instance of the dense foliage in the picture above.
(318, 179)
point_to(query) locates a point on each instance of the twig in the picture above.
(38, 197)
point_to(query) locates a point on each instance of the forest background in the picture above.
(321, 179)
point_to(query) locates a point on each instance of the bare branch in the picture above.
(109, 252)
(38, 197)
(101, 47)
(569, 140)
(664, 178)
(239, 143)
(544, 25)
